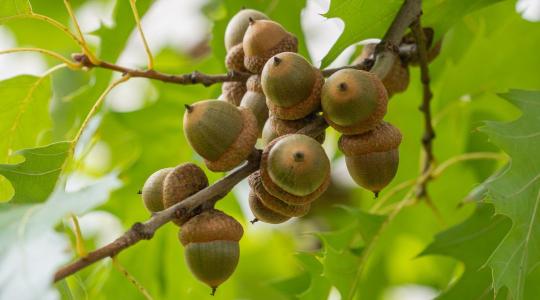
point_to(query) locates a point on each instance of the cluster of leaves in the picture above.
(485, 250)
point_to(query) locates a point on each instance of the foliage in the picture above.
(483, 249)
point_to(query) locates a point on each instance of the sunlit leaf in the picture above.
(9, 8)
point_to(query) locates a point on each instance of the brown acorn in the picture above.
(274, 204)
(398, 78)
(238, 24)
(264, 39)
(295, 169)
(234, 60)
(372, 158)
(223, 134)
(233, 91)
(292, 86)
(182, 182)
(353, 101)
(278, 127)
(253, 84)
(256, 102)
(152, 191)
(211, 246)
(262, 213)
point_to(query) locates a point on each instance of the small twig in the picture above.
(84, 44)
(141, 32)
(429, 132)
(364, 65)
(131, 278)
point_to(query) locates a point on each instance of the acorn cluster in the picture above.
(284, 93)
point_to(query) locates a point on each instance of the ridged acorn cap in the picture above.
(224, 135)
(253, 83)
(295, 169)
(211, 246)
(264, 39)
(353, 101)
(273, 203)
(182, 182)
(234, 60)
(279, 127)
(384, 137)
(292, 86)
(233, 91)
(152, 191)
(256, 102)
(237, 26)
(263, 213)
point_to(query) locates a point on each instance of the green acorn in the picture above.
(256, 102)
(237, 26)
(182, 182)
(372, 158)
(353, 101)
(152, 191)
(211, 246)
(292, 86)
(262, 40)
(295, 169)
(223, 134)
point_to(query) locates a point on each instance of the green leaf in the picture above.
(9, 8)
(25, 117)
(516, 192)
(34, 178)
(30, 248)
(472, 242)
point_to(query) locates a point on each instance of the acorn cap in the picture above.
(233, 91)
(295, 169)
(256, 102)
(238, 24)
(282, 127)
(253, 83)
(182, 182)
(234, 60)
(152, 191)
(210, 225)
(268, 133)
(353, 101)
(292, 86)
(262, 213)
(273, 203)
(375, 170)
(221, 133)
(262, 40)
(384, 137)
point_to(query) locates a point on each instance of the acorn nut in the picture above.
(292, 86)
(353, 101)
(233, 91)
(295, 169)
(211, 246)
(182, 182)
(238, 24)
(256, 102)
(262, 213)
(372, 158)
(264, 39)
(223, 134)
(152, 191)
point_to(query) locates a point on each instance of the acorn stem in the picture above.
(277, 60)
(214, 289)
(298, 156)
(343, 86)
(251, 21)
(376, 194)
(188, 107)
(254, 221)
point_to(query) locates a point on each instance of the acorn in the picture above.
(182, 182)
(262, 213)
(233, 91)
(272, 203)
(292, 86)
(256, 102)
(372, 158)
(264, 39)
(211, 246)
(253, 84)
(237, 26)
(353, 101)
(234, 60)
(295, 169)
(398, 78)
(152, 191)
(223, 134)
(278, 127)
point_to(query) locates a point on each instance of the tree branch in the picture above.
(429, 132)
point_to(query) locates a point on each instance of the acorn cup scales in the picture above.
(223, 134)
(211, 246)
(353, 101)
(295, 169)
(372, 158)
